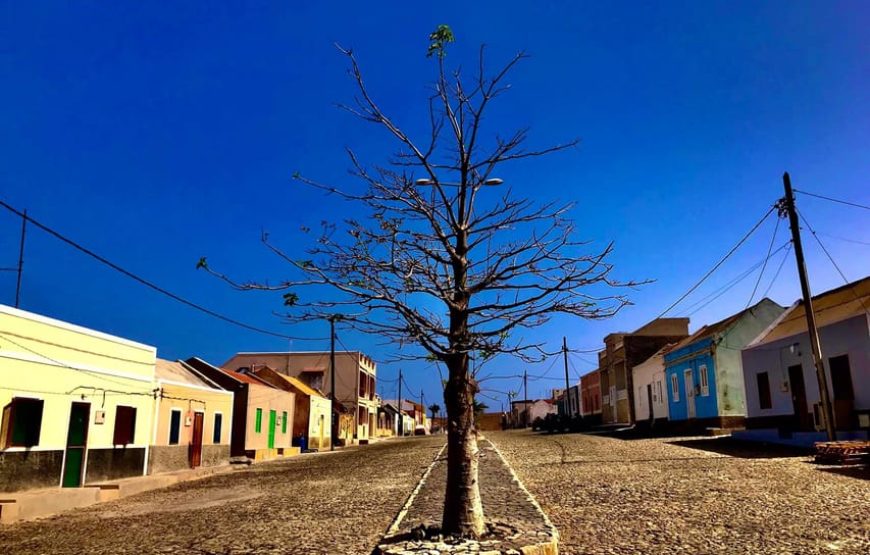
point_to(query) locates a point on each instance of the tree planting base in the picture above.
(515, 522)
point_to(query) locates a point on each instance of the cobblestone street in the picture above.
(338, 503)
(610, 495)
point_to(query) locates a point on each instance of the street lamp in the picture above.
(490, 182)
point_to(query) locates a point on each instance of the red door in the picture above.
(196, 440)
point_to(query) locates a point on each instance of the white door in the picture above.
(690, 393)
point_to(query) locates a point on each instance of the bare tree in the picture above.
(447, 260)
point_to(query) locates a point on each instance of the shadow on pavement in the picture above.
(743, 449)
(860, 472)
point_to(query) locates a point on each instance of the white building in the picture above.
(650, 388)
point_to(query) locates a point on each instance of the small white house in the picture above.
(782, 391)
(651, 395)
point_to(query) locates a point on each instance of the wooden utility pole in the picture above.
(332, 378)
(815, 344)
(401, 420)
(20, 259)
(526, 400)
(567, 381)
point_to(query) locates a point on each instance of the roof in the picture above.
(299, 385)
(714, 329)
(177, 372)
(830, 307)
(246, 378)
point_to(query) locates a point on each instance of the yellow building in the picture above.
(77, 404)
(312, 414)
(193, 420)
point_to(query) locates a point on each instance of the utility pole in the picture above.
(526, 400)
(401, 420)
(422, 406)
(20, 259)
(332, 376)
(815, 344)
(567, 381)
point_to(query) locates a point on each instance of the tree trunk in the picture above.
(463, 510)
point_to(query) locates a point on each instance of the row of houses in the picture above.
(752, 370)
(83, 407)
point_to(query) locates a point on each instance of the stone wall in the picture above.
(169, 458)
(113, 464)
(22, 470)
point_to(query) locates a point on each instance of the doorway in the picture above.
(195, 457)
(689, 382)
(649, 400)
(802, 418)
(76, 444)
(273, 417)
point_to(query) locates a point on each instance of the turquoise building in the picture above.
(704, 372)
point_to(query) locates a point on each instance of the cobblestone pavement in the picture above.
(609, 495)
(335, 503)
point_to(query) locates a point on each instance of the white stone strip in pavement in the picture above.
(531, 497)
(394, 527)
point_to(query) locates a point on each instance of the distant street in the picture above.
(653, 496)
(337, 503)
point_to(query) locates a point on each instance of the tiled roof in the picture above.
(713, 329)
(246, 378)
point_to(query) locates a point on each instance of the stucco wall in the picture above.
(651, 372)
(319, 423)
(850, 337)
(61, 364)
(169, 458)
(268, 399)
(189, 400)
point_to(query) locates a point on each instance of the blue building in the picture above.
(704, 372)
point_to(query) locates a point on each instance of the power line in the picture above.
(846, 202)
(719, 263)
(763, 266)
(148, 283)
(856, 241)
(831, 258)
(778, 270)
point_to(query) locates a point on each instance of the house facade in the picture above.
(77, 404)
(624, 351)
(782, 391)
(705, 371)
(590, 394)
(524, 412)
(312, 415)
(262, 414)
(193, 419)
(651, 394)
(355, 379)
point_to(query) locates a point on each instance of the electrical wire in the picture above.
(148, 283)
(763, 266)
(846, 202)
(834, 263)
(719, 263)
(778, 270)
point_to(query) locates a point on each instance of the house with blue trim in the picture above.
(704, 372)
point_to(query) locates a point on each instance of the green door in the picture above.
(76, 442)
(273, 416)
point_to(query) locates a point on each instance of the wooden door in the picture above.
(273, 418)
(803, 420)
(76, 444)
(649, 400)
(690, 393)
(195, 453)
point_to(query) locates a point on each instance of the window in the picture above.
(661, 397)
(218, 424)
(174, 426)
(841, 378)
(675, 388)
(22, 421)
(258, 422)
(705, 384)
(125, 426)
(284, 422)
(763, 390)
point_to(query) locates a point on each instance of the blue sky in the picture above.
(158, 133)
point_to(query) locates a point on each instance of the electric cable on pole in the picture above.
(401, 420)
(567, 381)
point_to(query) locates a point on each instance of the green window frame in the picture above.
(284, 422)
(258, 423)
